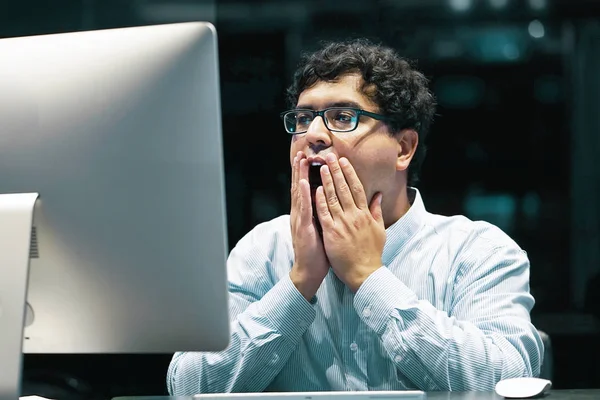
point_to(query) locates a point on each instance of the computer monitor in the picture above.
(112, 213)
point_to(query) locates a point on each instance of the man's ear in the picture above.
(408, 139)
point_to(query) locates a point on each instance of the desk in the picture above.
(575, 394)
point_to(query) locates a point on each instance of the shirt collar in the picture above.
(402, 230)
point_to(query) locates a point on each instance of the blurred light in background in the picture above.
(498, 4)
(460, 91)
(163, 11)
(536, 29)
(497, 44)
(511, 52)
(538, 4)
(446, 48)
(531, 205)
(499, 209)
(503, 209)
(461, 5)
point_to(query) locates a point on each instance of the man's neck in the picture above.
(396, 208)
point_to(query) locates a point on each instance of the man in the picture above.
(388, 296)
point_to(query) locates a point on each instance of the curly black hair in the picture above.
(390, 81)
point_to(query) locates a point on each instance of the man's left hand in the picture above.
(353, 230)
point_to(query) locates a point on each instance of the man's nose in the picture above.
(317, 135)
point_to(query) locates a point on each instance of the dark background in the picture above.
(515, 141)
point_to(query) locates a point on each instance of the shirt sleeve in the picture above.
(486, 336)
(267, 322)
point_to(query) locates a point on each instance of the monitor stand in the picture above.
(16, 217)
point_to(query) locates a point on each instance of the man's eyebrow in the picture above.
(350, 104)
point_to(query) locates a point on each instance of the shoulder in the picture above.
(272, 233)
(267, 243)
(261, 257)
(470, 234)
(483, 255)
(478, 247)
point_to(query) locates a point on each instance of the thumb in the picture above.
(375, 208)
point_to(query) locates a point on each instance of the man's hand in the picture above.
(353, 231)
(310, 262)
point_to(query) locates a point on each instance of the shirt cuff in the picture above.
(379, 298)
(287, 309)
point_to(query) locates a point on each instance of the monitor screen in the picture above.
(119, 133)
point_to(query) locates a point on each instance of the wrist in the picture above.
(360, 275)
(307, 285)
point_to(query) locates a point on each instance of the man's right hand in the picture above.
(310, 261)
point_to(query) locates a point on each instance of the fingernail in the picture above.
(380, 198)
(325, 169)
(343, 161)
(330, 157)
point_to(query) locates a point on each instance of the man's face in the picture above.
(370, 148)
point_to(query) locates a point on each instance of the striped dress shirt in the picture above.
(448, 310)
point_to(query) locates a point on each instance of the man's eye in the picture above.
(303, 119)
(344, 117)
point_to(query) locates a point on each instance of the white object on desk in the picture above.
(338, 395)
(522, 388)
(33, 398)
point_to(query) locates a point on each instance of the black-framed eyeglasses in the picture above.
(336, 119)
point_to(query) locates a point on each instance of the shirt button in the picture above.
(398, 359)
(367, 312)
(353, 346)
(274, 359)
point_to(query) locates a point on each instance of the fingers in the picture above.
(342, 190)
(304, 193)
(323, 208)
(330, 193)
(375, 209)
(356, 188)
(303, 170)
(306, 213)
(294, 190)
